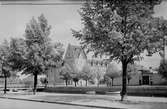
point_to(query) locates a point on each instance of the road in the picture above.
(18, 104)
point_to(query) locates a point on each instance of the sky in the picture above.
(62, 18)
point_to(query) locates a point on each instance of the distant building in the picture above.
(75, 57)
(98, 64)
(143, 77)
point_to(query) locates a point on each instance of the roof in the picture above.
(98, 60)
(146, 70)
(73, 51)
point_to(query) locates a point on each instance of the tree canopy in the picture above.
(112, 68)
(86, 73)
(112, 72)
(41, 53)
(4, 62)
(4, 55)
(66, 73)
(131, 70)
(120, 29)
(35, 53)
(163, 68)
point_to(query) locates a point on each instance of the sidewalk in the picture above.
(98, 101)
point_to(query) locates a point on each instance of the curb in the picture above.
(64, 103)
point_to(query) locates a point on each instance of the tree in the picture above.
(108, 80)
(5, 67)
(97, 74)
(77, 65)
(131, 69)
(17, 53)
(86, 74)
(39, 54)
(36, 38)
(76, 78)
(44, 81)
(162, 27)
(66, 73)
(120, 29)
(163, 68)
(112, 72)
(71, 70)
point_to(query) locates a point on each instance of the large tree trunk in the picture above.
(112, 81)
(75, 84)
(128, 81)
(124, 80)
(35, 83)
(66, 81)
(86, 83)
(5, 87)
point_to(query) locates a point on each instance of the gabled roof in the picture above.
(73, 51)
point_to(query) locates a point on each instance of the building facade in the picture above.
(76, 58)
(142, 77)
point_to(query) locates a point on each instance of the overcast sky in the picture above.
(62, 18)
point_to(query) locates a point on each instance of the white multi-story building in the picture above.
(75, 57)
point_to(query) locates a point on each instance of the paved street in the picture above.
(18, 104)
(52, 100)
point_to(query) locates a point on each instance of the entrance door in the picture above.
(145, 80)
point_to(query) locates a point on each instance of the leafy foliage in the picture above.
(4, 62)
(66, 73)
(37, 43)
(72, 69)
(120, 29)
(112, 72)
(44, 81)
(17, 54)
(131, 69)
(86, 73)
(163, 68)
(4, 55)
(98, 74)
(41, 53)
(35, 53)
(76, 79)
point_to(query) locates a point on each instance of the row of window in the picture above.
(98, 63)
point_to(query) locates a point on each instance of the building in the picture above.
(98, 68)
(143, 77)
(76, 58)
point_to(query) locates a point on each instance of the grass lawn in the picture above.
(132, 90)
